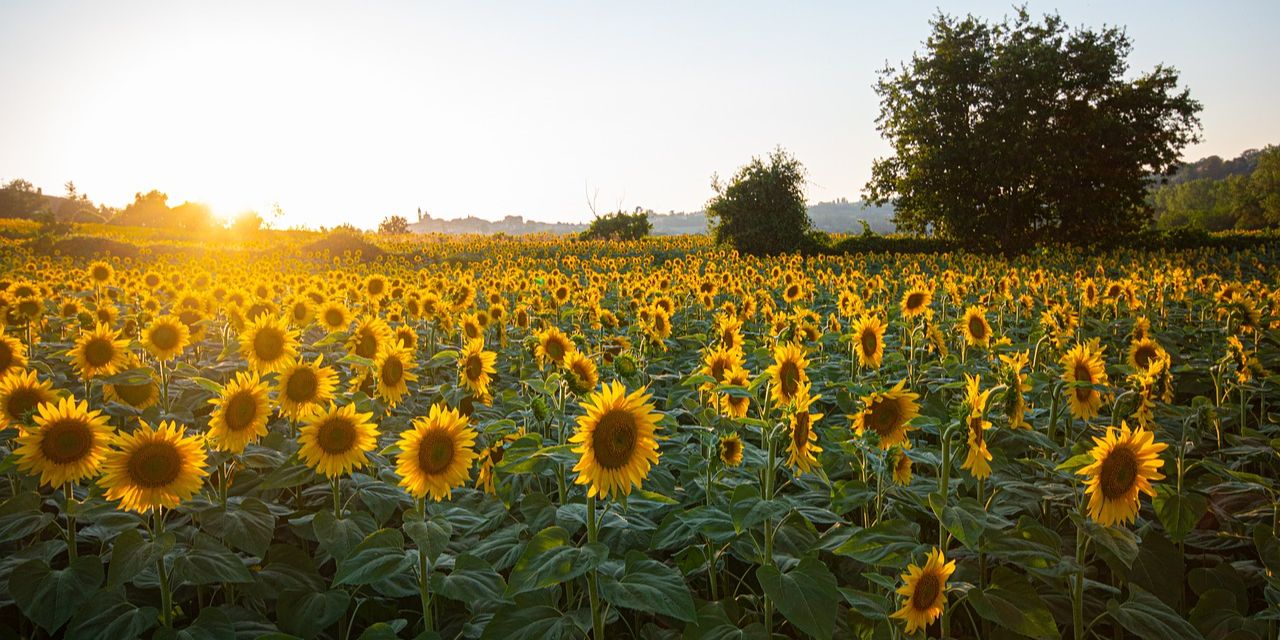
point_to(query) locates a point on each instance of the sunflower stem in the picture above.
(337, 497)
(1077, 590)
(593, 532)
(71, 521)
(166, 597)
(424, 584)
(768, 527)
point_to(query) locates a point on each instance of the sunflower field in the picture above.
(546, 438)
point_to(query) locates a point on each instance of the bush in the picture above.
(342, 240)
(619, 226)
(762, 210)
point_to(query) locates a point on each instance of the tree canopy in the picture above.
(761, 210)
(1242, 193)
(619, 226)
(1010, 134)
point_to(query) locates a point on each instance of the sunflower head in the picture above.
(166, 337)
(787, 372)
(337, 440)
(901, 467)
(304, 386)
(868, 341)
(100, 352)
(1124, 464)
(269, 344)
(888, 415)
(476, 368)
(974, 327)
(801, 446)
(925, 591)
(553, 345)
(154, 468)
(13, 354)
(394, 370)
(20, 393)
(616, 440)
(916, 301)
(67, 444)
(1083, 365)
(730, 449)
(581, 373)
(436, 455)
(240, 414)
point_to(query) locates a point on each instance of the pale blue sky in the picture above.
(350, 112)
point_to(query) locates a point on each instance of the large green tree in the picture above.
(761, 210)
(1010, 134)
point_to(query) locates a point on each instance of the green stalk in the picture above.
(944, 480)
(337, 496)
(71, 522)
(768, 529)
(597, 620)
(424, 584)
(166, 597)
(1077, 591)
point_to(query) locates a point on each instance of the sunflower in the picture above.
(916, 301)
(154, 467)
(13, 354)
(901, 465)
(583, 376)
(491, 457)
(1083, 364)
(888, 414)
(436, 454)
(1144, 351)
(166, 337)
(394, 369)
(736, 406)
(269, 344)
(729, 331)
(787, 372)
(476, 368)
(368, 337)
(1124, 464)
(407, 337)
(20, 393)
(336, 440)
(717, 364)
(801, 449)
(67, 444)
(975, 402)
(100, 352)
(138, 396)
(730, 449)
(553, 346)
(868, 341)
(1014, 404)
(974, 327)
(615, 440)
(333, 316)
(303, 386)
(925, 589)
(101, 273)
(240, 414)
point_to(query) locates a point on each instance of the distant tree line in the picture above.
(20, 199)
(1215, 194)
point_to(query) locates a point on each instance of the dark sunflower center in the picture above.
(1083, 375)
(392, 372)
(435, 452)
(268, 344)
(6, 356)
(336, 435)
(885, 417)
(870, 344)
(475, 367)
(333, 318)
(800, 434)
(155, 464)
(977, 328)
(614, 439)
(367, 346)
(717, 370)
(1118, 473)
(133, 394)
(101, 274)
(21, 401)
(1144, 355)
(302, 385)
(497, 452)
(66, 441)
(299, 311)
(975, 427)
(915, 301)
(730, 449)
(555, 349)
(789, 378)
(99, 352)
(241, 411)
(164, 337)
(927, 589)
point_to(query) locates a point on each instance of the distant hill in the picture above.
(840, 216)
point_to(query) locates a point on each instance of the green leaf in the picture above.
(212, 624)
(289, 568)
(889, 543)
(109, 616)
(379, 556)
(339, 536)
(1013, 603)
(131, 555)
(748, 509)
(383, 631)
(967, 520)
(1076, 462)
(1118, 546)
(530, 623)
(248, 525)
(713, 623)
(1159, 567)
(649, 585)
(208, 562)
(20, 516)
(1145, 616)
(549, 559)
(431, 536)
(807, 595)
(306, 614)
(49, 597)
(472, 580)
(1178, 514)
(1216, 613)
(680, 528)
(288, 476)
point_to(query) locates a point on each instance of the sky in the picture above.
(350, 112)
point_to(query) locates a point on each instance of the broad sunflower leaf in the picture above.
(549, 559)
(246, 524)
(307, 613)
(1013, 603)
(1178, 513)
(208, 562)
(378, 556)
(49, 597)
(530, 623)
(472, 580)
(649, 585)
(109, 616)
(1145, 616)
(806, 595)
(131, 555)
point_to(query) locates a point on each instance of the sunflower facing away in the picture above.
(67, 444)
(476, 368)
(925, 590)
(901, 467)
(615, 440)
(868, 341)
(394, 370)
(730, 450)
(888, 414)
(240, 415)
(802, 447)
(1014, 403)
(436, 454)
(20, 393)
(154, 467)
(269, 344)
(582, 374)
(100, 352)
(13, 354)
(1124, 464)
(552, 346)
(1083, 364)
(975, 402)
(787, 372)
(491, 457)
(974, 327)
(304, 386)
(166, 337)
(337, 440)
